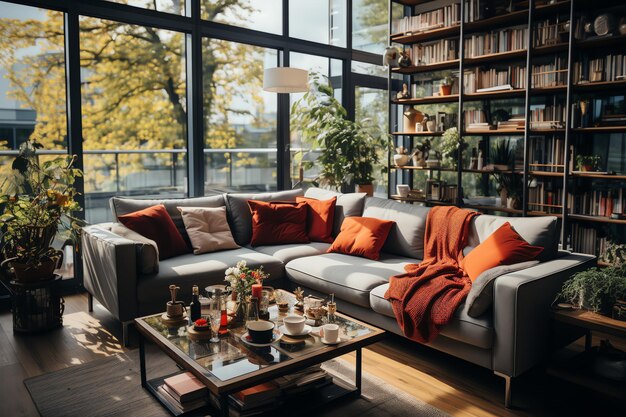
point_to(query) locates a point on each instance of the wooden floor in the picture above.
(450, 384)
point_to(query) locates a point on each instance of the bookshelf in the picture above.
(570, 104)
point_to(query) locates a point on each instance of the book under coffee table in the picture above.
(233, 365)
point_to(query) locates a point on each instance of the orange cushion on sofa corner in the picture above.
(362, 236)
(320, 218)
(156, 224)
(276, 223)
(504, 247)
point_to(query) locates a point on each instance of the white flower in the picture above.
(241, 265)
(229, 271)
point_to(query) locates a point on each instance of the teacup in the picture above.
(294, 324)
(330, 333)
(260, 331)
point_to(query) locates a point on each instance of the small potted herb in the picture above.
(595, 289)
(502, 155)
(588, 163)
(445, 88)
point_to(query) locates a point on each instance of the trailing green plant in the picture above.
(450, 145)
(592, 161)
(615, 254)
(350, 152)
(36, 200)
(595, 289)
(502, 154)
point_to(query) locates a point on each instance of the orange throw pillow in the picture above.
(156, 224)
(504, 247)
(320, 218)
(362, 236)
(278, 223)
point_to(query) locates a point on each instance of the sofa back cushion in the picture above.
(278, 223)
(208, 229)
(406, 237)
(240, 217)
(123, 205)
(347, 205)
(362, 236)
(537, 231)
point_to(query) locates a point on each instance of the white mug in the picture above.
(330, 332)
(294, 324)
(403, 190)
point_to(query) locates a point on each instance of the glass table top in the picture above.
(231, 357)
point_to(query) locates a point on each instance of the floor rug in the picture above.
(111, 387)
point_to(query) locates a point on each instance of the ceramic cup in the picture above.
(331, 332)
(403, 190)
(294, 324)
(260, 331)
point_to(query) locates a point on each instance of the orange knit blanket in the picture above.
(425, 297)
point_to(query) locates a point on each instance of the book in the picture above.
(258, 393)
(185, 387)
(495, 88)
(182, 407)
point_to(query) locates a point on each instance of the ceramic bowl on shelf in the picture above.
(400, 159)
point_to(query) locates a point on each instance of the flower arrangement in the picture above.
(240, 278)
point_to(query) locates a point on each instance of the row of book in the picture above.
(550, 75)
(496, 41)
(430, 87)
(184, 391)
(547, 116)
(588, 240)
(478, 80)
(611, 67)
(443, 17)
(598, 202)
(547, 154)
(548, 32)
(475, 120)
(544, 196)
(434, 52)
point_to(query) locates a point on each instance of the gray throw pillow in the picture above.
(348, 205)
(240, 217)
(480, 297)
(146, 249)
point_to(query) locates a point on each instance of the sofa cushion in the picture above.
(406, 237)
(147, 249)
(208, 229)
(347, 205)
(350, 278)
(320, 218)
(278, 223)
(537, 231)
(156, 224)
(124, 205)
(201, 270)
(239, 215)
(462, 327)
(362, 236)
(286, 253)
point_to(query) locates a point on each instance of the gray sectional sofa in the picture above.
(512, 335)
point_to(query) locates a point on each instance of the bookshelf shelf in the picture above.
(601, 176)
(487, 171)
(411, 2)
(599, 86)
(551, 49)
(601, 129)
(453, 98)
(500, 56)
(495, 22)
(546, 131)
(410, 38)
(411, 167)
(487, 95)
(601, 42)
(419, 200)
(493, 208)
(543, 213)
(546, 174)
(597, 219)
(495, 132)
(426, 68)
(557, 89)
(426, 134)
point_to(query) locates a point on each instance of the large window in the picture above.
(240, 118)
(134, 113)
(168, 6)
(322, 21)
(265, 15)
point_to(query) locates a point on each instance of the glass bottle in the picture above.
(195, 311)
(224, 314)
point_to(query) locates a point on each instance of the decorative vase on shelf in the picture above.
(411, 117)
(431, 126)
(400, 159)
(445, 90)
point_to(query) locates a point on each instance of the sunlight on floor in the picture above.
(90, 334)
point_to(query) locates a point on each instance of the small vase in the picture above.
(445, 90)
(240, 313)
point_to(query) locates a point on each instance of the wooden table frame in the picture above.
(222, 389)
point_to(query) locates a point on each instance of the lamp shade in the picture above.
(285, 80)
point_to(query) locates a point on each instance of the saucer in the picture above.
(334, 342)
(248, 340)
(305, 331)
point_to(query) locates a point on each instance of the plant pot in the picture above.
(513, 203)
(400, 159)
(22, 272)
(418, 161)
(586, 168)
(500, 167)
(504, 194)
(445, 90)
(366, 188)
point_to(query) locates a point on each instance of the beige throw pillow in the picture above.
(207, 228)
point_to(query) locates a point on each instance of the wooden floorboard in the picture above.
(450, 384)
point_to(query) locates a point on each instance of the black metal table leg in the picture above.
(357, 382)
(224, 405)
(142, 361)
(588, 340)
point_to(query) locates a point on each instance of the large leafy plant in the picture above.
(349, 151)
(36, 200)
(596, 289)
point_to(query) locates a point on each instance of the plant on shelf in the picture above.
(36, 200)
(510, 187)
(588, 163)
(615, 254)
(445, 88)
(450, 145)
(502, 155)
(350, 152)
(595, 289)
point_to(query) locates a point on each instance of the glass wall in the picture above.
(265, 15)
(322, 21)
(134, 113)
(240, 118)
(167, 6)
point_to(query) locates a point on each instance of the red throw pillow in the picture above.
(320, 217)
(278, 223)
(362, 236)
(504, 247)
(156, 224)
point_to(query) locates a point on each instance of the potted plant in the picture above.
(595, 289)
(349, 151)
(36, 200)
(502, 155)
(450, 145)
(445, 88)
(510, 187)
(588, 163)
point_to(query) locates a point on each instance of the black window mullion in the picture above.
(195, 105)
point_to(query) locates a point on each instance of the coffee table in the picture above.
(232, 365)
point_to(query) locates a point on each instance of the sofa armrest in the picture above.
(522, 302)
(110, 270)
